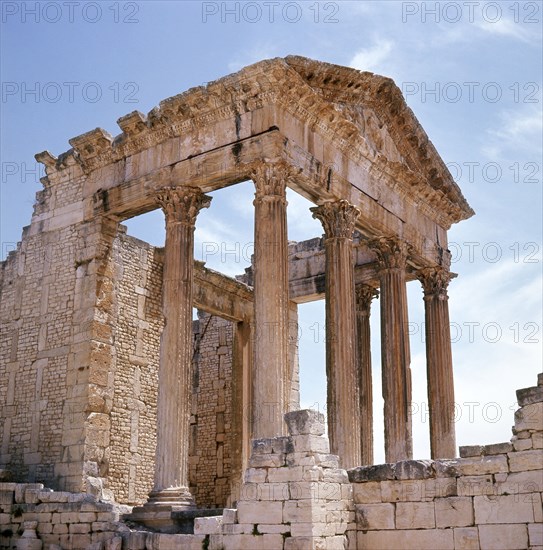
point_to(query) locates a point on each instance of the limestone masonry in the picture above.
(126, 424)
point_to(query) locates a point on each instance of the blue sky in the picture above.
(471, 72)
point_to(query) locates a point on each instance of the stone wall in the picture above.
(137, 340)
(37, 295)
(490, 498)
(211, 419)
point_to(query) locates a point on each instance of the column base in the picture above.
(174, 496)
(165, 511)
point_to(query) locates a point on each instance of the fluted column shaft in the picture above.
(435, 281)
(181, 206)
(364, 296)
(271, 390)
(338, 219)
(395, 351)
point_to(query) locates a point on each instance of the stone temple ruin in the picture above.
(126, 424)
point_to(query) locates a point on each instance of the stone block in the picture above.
(521, 482)
(267, 461)
(503, 537)
(288, 473)
(535, 534)
(229, 515)
(374, 516)
(7, 497)
(254, 512)
(311, 443)
(379, 472)
(116, 543)
(208, 526)
(21, 488)
(522, 444)
(238, 528)
(312, 473)
(525, 460)
(305, 422)
(303, 511)
(316, 490)
(529, 417)
(466, 538)
(80, 541)
(527, 396)
(264, 491)
(502, 509)
(310, 529)
(251, 542)
(405, 491)
(326, 460)
(470, 450)
(422, 539)
(415, 515)
(305, 543)
(476, 485)
(414, 469)
(537, 440)
(497, 449)
(160, 541)
(454, 512)
(335, 475)
(255, 475)
(79, 528)
(366, 493)
(482, 465)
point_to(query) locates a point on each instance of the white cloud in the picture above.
(517, 130)
(373, 57)
(507, 27)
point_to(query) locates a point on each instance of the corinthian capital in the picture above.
(391, 252)
(435, 281)
(338, 218)
(270, 179)
(182, 204)
(364, 295)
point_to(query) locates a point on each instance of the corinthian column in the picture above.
(338, 219)
(435, 281)
(271, 390)
(364, 296)
(181, 206)
(395, 354)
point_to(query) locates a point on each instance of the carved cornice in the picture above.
(338, 218)
(435, 281)
(270, 179)
(364, 295)
(312, 92)
(391, 252)
(181, 205)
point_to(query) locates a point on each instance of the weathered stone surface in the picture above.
(527, 396)
(466, 538)
(454, 512)
(420, 539)
(502, 509)
(471, 450)
(529, 417)
(497, 449)
(525, 460)
(305, 422)
(503, 537)
(375, 516)
(378, 472)
(415, 515)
